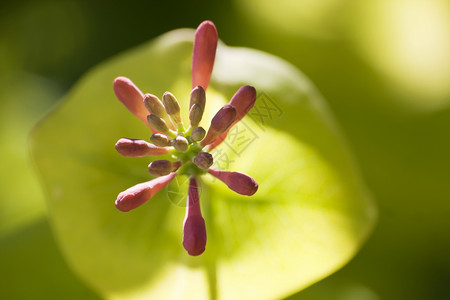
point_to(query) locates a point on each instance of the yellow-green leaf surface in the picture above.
(23, 100)
(308, 218)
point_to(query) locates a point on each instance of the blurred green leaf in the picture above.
(23, 100)
(385, 79)
(309, 217)
(31, 265)
(408, 43)
(319, 19)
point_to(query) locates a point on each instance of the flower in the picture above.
(188, 146)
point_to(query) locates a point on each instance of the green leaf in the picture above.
(31, 266)
(24, 98)
(309, 217)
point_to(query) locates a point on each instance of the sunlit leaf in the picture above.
(308, 218)
(320, 19)
(24, 99)
(408, 42)
(31, 266)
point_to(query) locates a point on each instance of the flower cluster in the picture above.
(188, 147)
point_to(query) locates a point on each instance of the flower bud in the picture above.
(160, 140)
(158, 124)
(130, 95)
(155, 106)
(180, 143)
(203, 160)
(203, 53)
(243, 100)
(198, 134)
(162, 167)
(239, 182)
(172, 107)
(195, 115)
(220, 123)
(138, 148)
(198, 97)
(194, 229)
(141, 193)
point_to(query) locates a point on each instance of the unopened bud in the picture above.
(239, 182)
(223, 119)
(154, 105)
(195, 115)
(130, 95)
(194, 229)
(220, 123)
(203, 53)
(172, 107)
(138, 148)
(141, 193)
(180, 143)
(159, 139)
(198, 97)
(243, 100)
(198, 134)
(203, 160)
(158, 124)
(162, 167)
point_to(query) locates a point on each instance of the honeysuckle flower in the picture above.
(188, 146)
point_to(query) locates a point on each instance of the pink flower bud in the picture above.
(194, 229)
(203, 160)
(198, 134)
(138, 148)
(130, 95)
(220, 123)
(197, 96)
(204, 53)
(239, 182)
(141, 193)
(162, 167)
(243, 100)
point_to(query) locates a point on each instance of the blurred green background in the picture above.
(383, 66)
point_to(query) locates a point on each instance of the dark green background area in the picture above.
(404, 157)
(33, 267)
